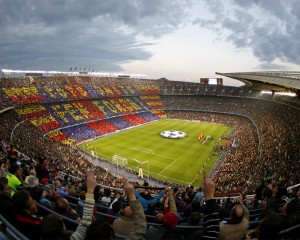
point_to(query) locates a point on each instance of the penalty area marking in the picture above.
(137, 149)
(147, 150)
(167, 166)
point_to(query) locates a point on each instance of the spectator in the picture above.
(106, 198)
(14, 177)
(44, 199)
(151, 211)
(104, 230)
(32, 173)
(211, 226)
(114, 212)
(239, 220)
(3, 170)
(291, 211)
(97, 194)
(169, 220)
(52, 226)
(145, 202)
(81, 203)
(198, 197)
(6, 206)
(43, 169)
(268, 228)
(63, 190)
(72, 196)
(26, 220)
(62, 207)
(180, 203)
(34, 189)
(124, 224)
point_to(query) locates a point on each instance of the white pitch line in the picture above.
(103, 148)
(167, 166)
(147, 150)
(137, 149)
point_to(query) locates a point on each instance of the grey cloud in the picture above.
(156, 14)
(270, 30)
(101, 34)
(271, 66)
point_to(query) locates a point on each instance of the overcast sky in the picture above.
(176, 39)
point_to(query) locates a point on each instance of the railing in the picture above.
(290, 233)
(11, 231)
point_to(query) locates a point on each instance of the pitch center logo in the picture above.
(173, 134)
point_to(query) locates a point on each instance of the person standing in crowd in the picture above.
(6, 206)
(42, 169)
(15, 178)
(198, 197)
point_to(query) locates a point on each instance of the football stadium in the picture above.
(58, 129)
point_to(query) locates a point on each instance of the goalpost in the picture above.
(119, 160)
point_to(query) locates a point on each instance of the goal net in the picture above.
(119, 160)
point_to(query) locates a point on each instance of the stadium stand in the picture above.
(43, 120)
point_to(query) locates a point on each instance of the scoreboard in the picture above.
(211, 81)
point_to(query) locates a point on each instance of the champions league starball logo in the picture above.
(173, 134)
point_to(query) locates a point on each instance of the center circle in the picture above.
(173, 134)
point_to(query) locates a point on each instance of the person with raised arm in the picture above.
(139, 220)
(52, 226)
(168, 219)
(146, 202)
(211, 222)
(102, 230)
(239, 220)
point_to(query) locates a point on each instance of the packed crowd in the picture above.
(269, 143)
(25, 90)
(22, 91)
(42, 204)
(267, 132)
(89, 114)
(256, 140)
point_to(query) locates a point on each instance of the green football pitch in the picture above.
(173, 160)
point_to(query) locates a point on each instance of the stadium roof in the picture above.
(278, 81)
